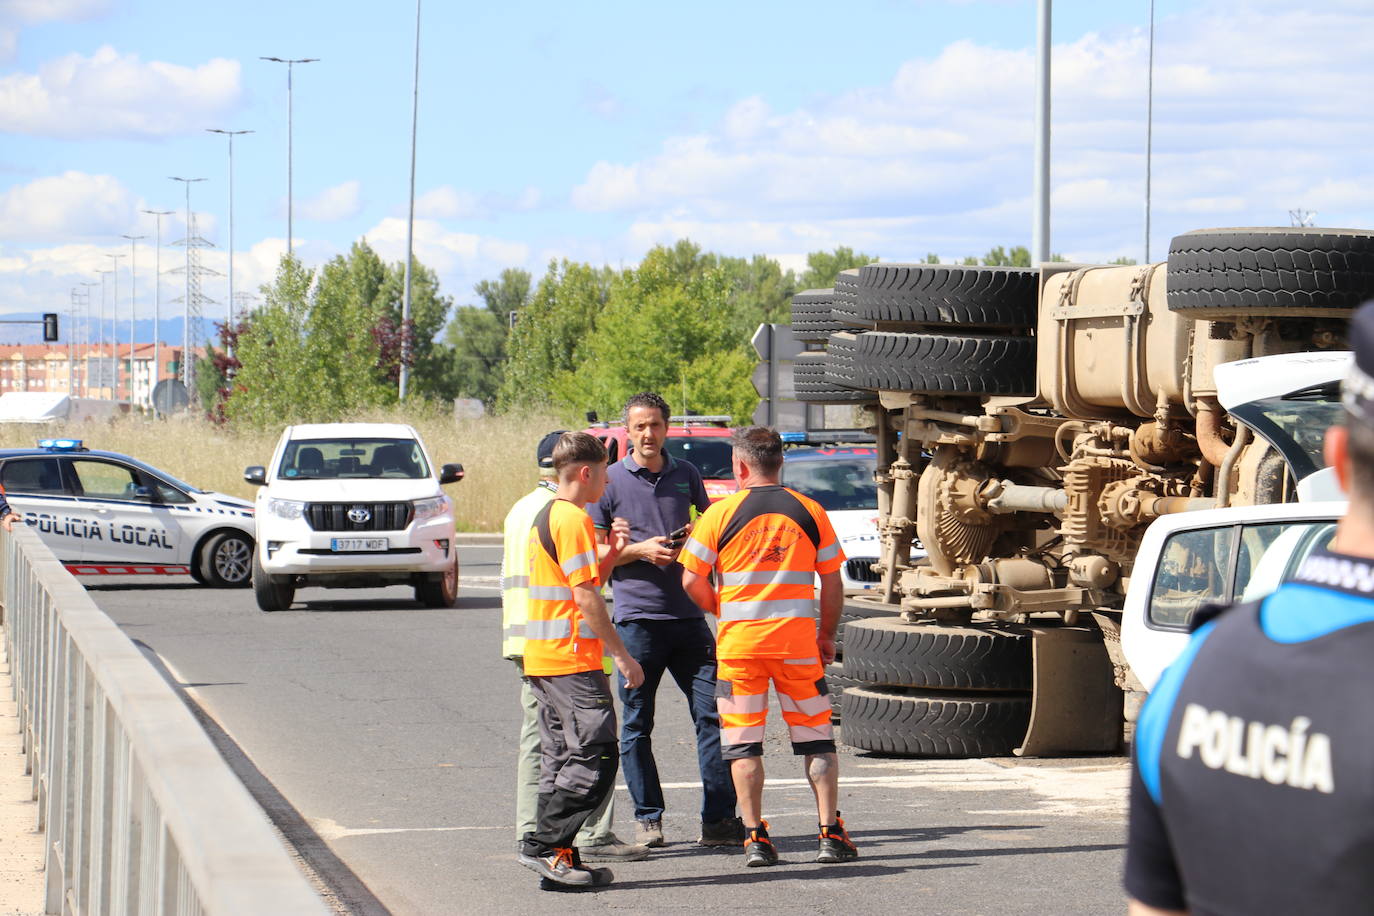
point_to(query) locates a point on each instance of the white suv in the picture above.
(353, 505)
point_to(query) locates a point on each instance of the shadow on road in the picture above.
(342, 890)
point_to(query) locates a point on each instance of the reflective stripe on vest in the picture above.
(515, 582)
(767, 577)
(580, 561)
(701, 552)
(551, 593)
(556, 629)
(767, 610)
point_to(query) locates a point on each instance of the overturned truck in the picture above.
(1031, 423)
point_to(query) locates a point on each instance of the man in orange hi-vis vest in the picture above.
(765, 545)
(565, 632)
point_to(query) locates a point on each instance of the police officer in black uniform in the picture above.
(1253, 779)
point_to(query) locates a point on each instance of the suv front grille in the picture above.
(860, 569)
(381, 516)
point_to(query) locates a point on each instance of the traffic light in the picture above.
(49, 327)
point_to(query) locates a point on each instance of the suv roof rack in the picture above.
(698, 420)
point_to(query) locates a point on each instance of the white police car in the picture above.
(840, 478)
(104, 513)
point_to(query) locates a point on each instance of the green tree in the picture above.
(550, 333)
(477, 335)
(1123, 262)
(823, 266)
(274, 381)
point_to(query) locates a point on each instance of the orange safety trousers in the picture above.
(742, 701)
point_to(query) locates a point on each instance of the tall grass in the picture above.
(497, 452)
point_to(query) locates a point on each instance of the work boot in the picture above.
(557, 866)
(649, 833)
(728, 831)
(834, 844)
(600, 876)
(758, 849)
(614, 850)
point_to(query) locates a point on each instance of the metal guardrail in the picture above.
(142, 815)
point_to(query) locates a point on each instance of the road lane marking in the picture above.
(333, 830)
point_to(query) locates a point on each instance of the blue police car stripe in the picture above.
(1154, 717)
(1296, 613)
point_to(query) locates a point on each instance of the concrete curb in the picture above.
(474, 538)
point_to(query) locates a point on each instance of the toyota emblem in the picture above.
(359, 515)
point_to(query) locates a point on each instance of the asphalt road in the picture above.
(380, 737)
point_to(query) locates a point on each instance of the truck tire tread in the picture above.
(922, 295)
(812, 383)
(976, 364)
(1279, 272)
(912, 724)
(901, 654)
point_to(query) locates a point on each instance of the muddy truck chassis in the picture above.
(1030, 424)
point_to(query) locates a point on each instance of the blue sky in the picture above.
(593, 131)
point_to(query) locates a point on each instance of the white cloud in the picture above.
(1259, 107)
(117, 95)
(15, 14)
(448, 202)
(343, 201)
(73, 205)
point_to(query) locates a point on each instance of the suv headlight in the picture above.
(286, 508)
(429, 508)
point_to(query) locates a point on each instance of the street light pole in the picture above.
(133, 292)
(187, 370)
(86, 339)
(100, 326)
(290, 62)
(410, 220)
(114, 326)
(231, 134)
(157, 300)
(1040, 227)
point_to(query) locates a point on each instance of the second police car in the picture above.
(106, 513)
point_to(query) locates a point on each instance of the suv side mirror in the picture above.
(256, 475)
(451, 473)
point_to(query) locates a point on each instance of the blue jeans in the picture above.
(685, 649)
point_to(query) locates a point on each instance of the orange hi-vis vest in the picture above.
(766, 545)
(562, 557)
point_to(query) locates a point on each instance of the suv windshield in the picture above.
(710, 454)
(314, 459)
(835, 484)
(1296, 423)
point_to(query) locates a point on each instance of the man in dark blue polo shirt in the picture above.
(662, 628)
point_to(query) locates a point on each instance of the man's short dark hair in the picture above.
(645, 399)
(760, 447)
(577, 448)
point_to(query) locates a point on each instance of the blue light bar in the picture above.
(60, 445)
(792, 435)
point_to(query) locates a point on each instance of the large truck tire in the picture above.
(851, 611)
(926, 724)
(812, 383)
(925, 295)
(841, 352)
(975, 364)
(837, 681)
(1280, 272)
(845, 307)
(811, 318)
(895, 653)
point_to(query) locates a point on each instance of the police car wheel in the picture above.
(438, 589)
(227, 561)
(270, 592)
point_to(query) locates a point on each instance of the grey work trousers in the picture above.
(597, 831)
(577, 737)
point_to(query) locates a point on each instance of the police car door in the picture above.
(129, 526)
(37, 490)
